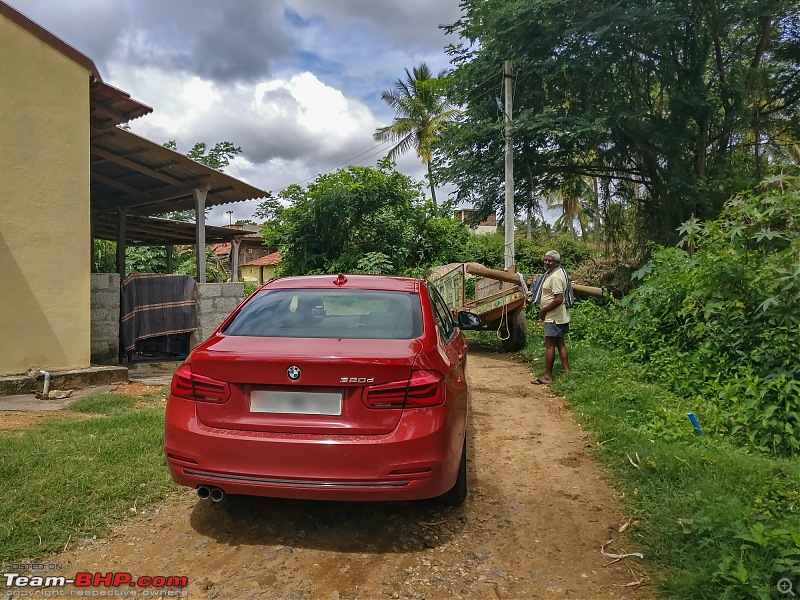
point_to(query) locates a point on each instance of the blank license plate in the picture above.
(296, 403)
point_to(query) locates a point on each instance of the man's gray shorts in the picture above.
(556, 329)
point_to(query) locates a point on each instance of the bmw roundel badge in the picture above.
(294, 373)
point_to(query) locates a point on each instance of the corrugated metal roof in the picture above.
(131, 173)
(110, 106)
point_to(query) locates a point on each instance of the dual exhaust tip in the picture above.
(204, 492)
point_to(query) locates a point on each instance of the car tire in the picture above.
(517, 326)
(456, 495)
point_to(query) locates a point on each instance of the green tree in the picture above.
(422, 111)
(677, 96)
(218, 158)
(721, 326)
(572, 199)
(361, 219)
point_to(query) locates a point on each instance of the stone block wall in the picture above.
(105, 319)
(215, 301)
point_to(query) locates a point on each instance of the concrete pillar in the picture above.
(200, 232)
(235, 259)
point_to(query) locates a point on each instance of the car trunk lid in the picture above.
(275, 386)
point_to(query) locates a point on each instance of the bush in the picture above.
(721, 323)
(530, 252)
(249, 288)
(610, 273)
(486, 249)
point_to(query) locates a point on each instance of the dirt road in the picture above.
(533, 526)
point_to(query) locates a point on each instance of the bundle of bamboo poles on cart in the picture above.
(479, 270)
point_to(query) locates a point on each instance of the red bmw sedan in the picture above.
(326, 387)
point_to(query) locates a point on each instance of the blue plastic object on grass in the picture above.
(696, 425)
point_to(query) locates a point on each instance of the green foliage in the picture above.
(486, 249)
(362, 219)
(444, 239)
(763, 552)
(689, 98)
(530, 252)
(722, 328)
(249, 288)
(422, 111)
(104, 256)
(153, 259)
(145, 259)
(218, 157)
(375, 263)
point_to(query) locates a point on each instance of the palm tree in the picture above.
(571, 199)
(422, 110)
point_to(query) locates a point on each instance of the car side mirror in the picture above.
(468, 320)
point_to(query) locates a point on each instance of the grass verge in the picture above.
(713, 520)
(65, 480)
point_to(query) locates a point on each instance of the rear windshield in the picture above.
(329, 314)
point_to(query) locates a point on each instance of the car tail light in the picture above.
(425, 388)
(190, 386)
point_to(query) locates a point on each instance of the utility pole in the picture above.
(508, 253)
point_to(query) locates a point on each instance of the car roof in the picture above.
(363, 282)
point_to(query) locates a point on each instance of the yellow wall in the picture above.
(250, 274)
(44, 198)
(268, 272)
(253, 273)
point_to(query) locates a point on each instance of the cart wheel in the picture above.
(517, 332)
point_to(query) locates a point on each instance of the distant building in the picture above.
(261, 269)
(488, 225)
(250, 244)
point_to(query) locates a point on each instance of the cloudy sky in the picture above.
(295, 83)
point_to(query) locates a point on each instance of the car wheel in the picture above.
(516, 332)
(456, 495)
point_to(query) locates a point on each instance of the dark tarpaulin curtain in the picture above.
(156, 305)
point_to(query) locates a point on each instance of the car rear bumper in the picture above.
(419, 459)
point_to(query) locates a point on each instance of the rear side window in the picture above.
(349, 314)
(442, 314)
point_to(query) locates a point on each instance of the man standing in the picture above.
(554, 314)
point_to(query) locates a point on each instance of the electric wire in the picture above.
(480, 85)
(373, 151)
